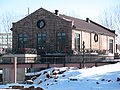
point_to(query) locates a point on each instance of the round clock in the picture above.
(41, 24)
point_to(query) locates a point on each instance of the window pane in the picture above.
(41, 41)
(20, 35)
(39, 35)
(77, 42)
(59, 34)
(43, 35)
(22, 40)
(63, 34)
(61, 39)
(111, 45)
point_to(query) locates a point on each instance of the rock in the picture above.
(45, 80)
(71, 79)
(38, 88)
(38, 75)
(56, 77)
(17, 87)
(33, 78)
(47, 75)
(109, 80)
(55, 70)
(103, 80)
(118, 79)
(31, 87)
(54, 73)
(97, 82)
(40, 81)
(61, 72)
(29, 82)
(44, 72)
(56, 81)
(47, 84)
(63, 75)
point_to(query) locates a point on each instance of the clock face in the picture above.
(41, 24)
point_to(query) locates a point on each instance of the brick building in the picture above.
(55, 33)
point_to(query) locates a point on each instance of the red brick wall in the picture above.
(54, 24)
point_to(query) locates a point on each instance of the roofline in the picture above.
(84, 30)
(90, 21)
(36, 11)
(113, 31)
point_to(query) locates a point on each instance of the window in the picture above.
(111, 45)
(41, 41)
(22, 40)
(61, 41)
(77, 42)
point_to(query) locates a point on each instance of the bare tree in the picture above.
(6, 21)
(111, 19)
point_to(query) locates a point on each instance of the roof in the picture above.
(79, 24)
(88, 26)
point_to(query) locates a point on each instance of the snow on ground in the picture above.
(105, 77)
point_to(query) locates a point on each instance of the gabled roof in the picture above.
(38, 12)
(88, 26)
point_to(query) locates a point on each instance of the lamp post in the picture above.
(83, 54)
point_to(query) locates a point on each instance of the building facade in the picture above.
(55, 33)
(5, 42)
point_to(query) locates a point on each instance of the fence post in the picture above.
(48, 65)
(96, 64)
(80, 65)
(64, 61)
(14, 76)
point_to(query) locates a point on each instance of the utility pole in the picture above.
(28, 11)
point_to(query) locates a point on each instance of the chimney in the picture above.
(88, 20)
(56, 12)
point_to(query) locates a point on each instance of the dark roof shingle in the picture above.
(89, 26)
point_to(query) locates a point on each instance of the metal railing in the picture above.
(57, 60)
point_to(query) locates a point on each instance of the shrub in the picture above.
(25, 51)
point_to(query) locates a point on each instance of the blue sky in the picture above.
(76, 8)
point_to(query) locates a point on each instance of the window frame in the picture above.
(77, 42)
(41, 41)
(22, 38)
(61, 41)
(111, 45)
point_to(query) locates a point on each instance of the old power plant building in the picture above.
(55, 33)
